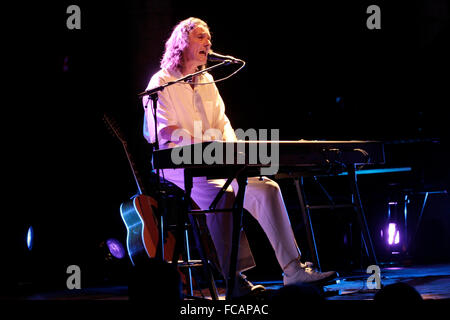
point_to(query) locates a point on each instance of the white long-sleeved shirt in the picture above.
(184, 106)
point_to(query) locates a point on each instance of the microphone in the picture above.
(214, 56)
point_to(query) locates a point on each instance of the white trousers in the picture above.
(265, 203)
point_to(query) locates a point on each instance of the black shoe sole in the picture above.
(325, 281)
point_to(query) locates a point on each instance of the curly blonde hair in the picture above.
(179, 39)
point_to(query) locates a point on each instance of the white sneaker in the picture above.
(306, 274)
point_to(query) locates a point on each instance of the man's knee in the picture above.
(271, 187)
(263, 188)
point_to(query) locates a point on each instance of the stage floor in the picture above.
(431, 281)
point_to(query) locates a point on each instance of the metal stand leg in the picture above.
(237, 226)
(356, 200)
(307, 220)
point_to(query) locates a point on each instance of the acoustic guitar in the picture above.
(138, 214)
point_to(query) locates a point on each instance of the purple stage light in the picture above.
(116, 248)
(393, 234)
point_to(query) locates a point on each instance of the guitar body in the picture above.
(143, 233)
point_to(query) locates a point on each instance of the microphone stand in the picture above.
(153, 97)
(187, 77)
(153, 94)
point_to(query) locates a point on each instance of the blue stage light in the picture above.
(30, 238)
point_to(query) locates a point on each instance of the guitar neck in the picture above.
(135, 172)
(110, 121)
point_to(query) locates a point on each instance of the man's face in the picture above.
(199, 45)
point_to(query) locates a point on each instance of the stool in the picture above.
(186, 221)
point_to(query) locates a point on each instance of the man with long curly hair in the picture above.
(179, 108)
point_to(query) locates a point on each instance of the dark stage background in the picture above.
(314, 71)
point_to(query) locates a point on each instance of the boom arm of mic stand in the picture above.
(153, 93)
(189, 76)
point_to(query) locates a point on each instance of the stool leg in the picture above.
(205, 264)
(196, 233)
(187, 258)
(181, 225)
